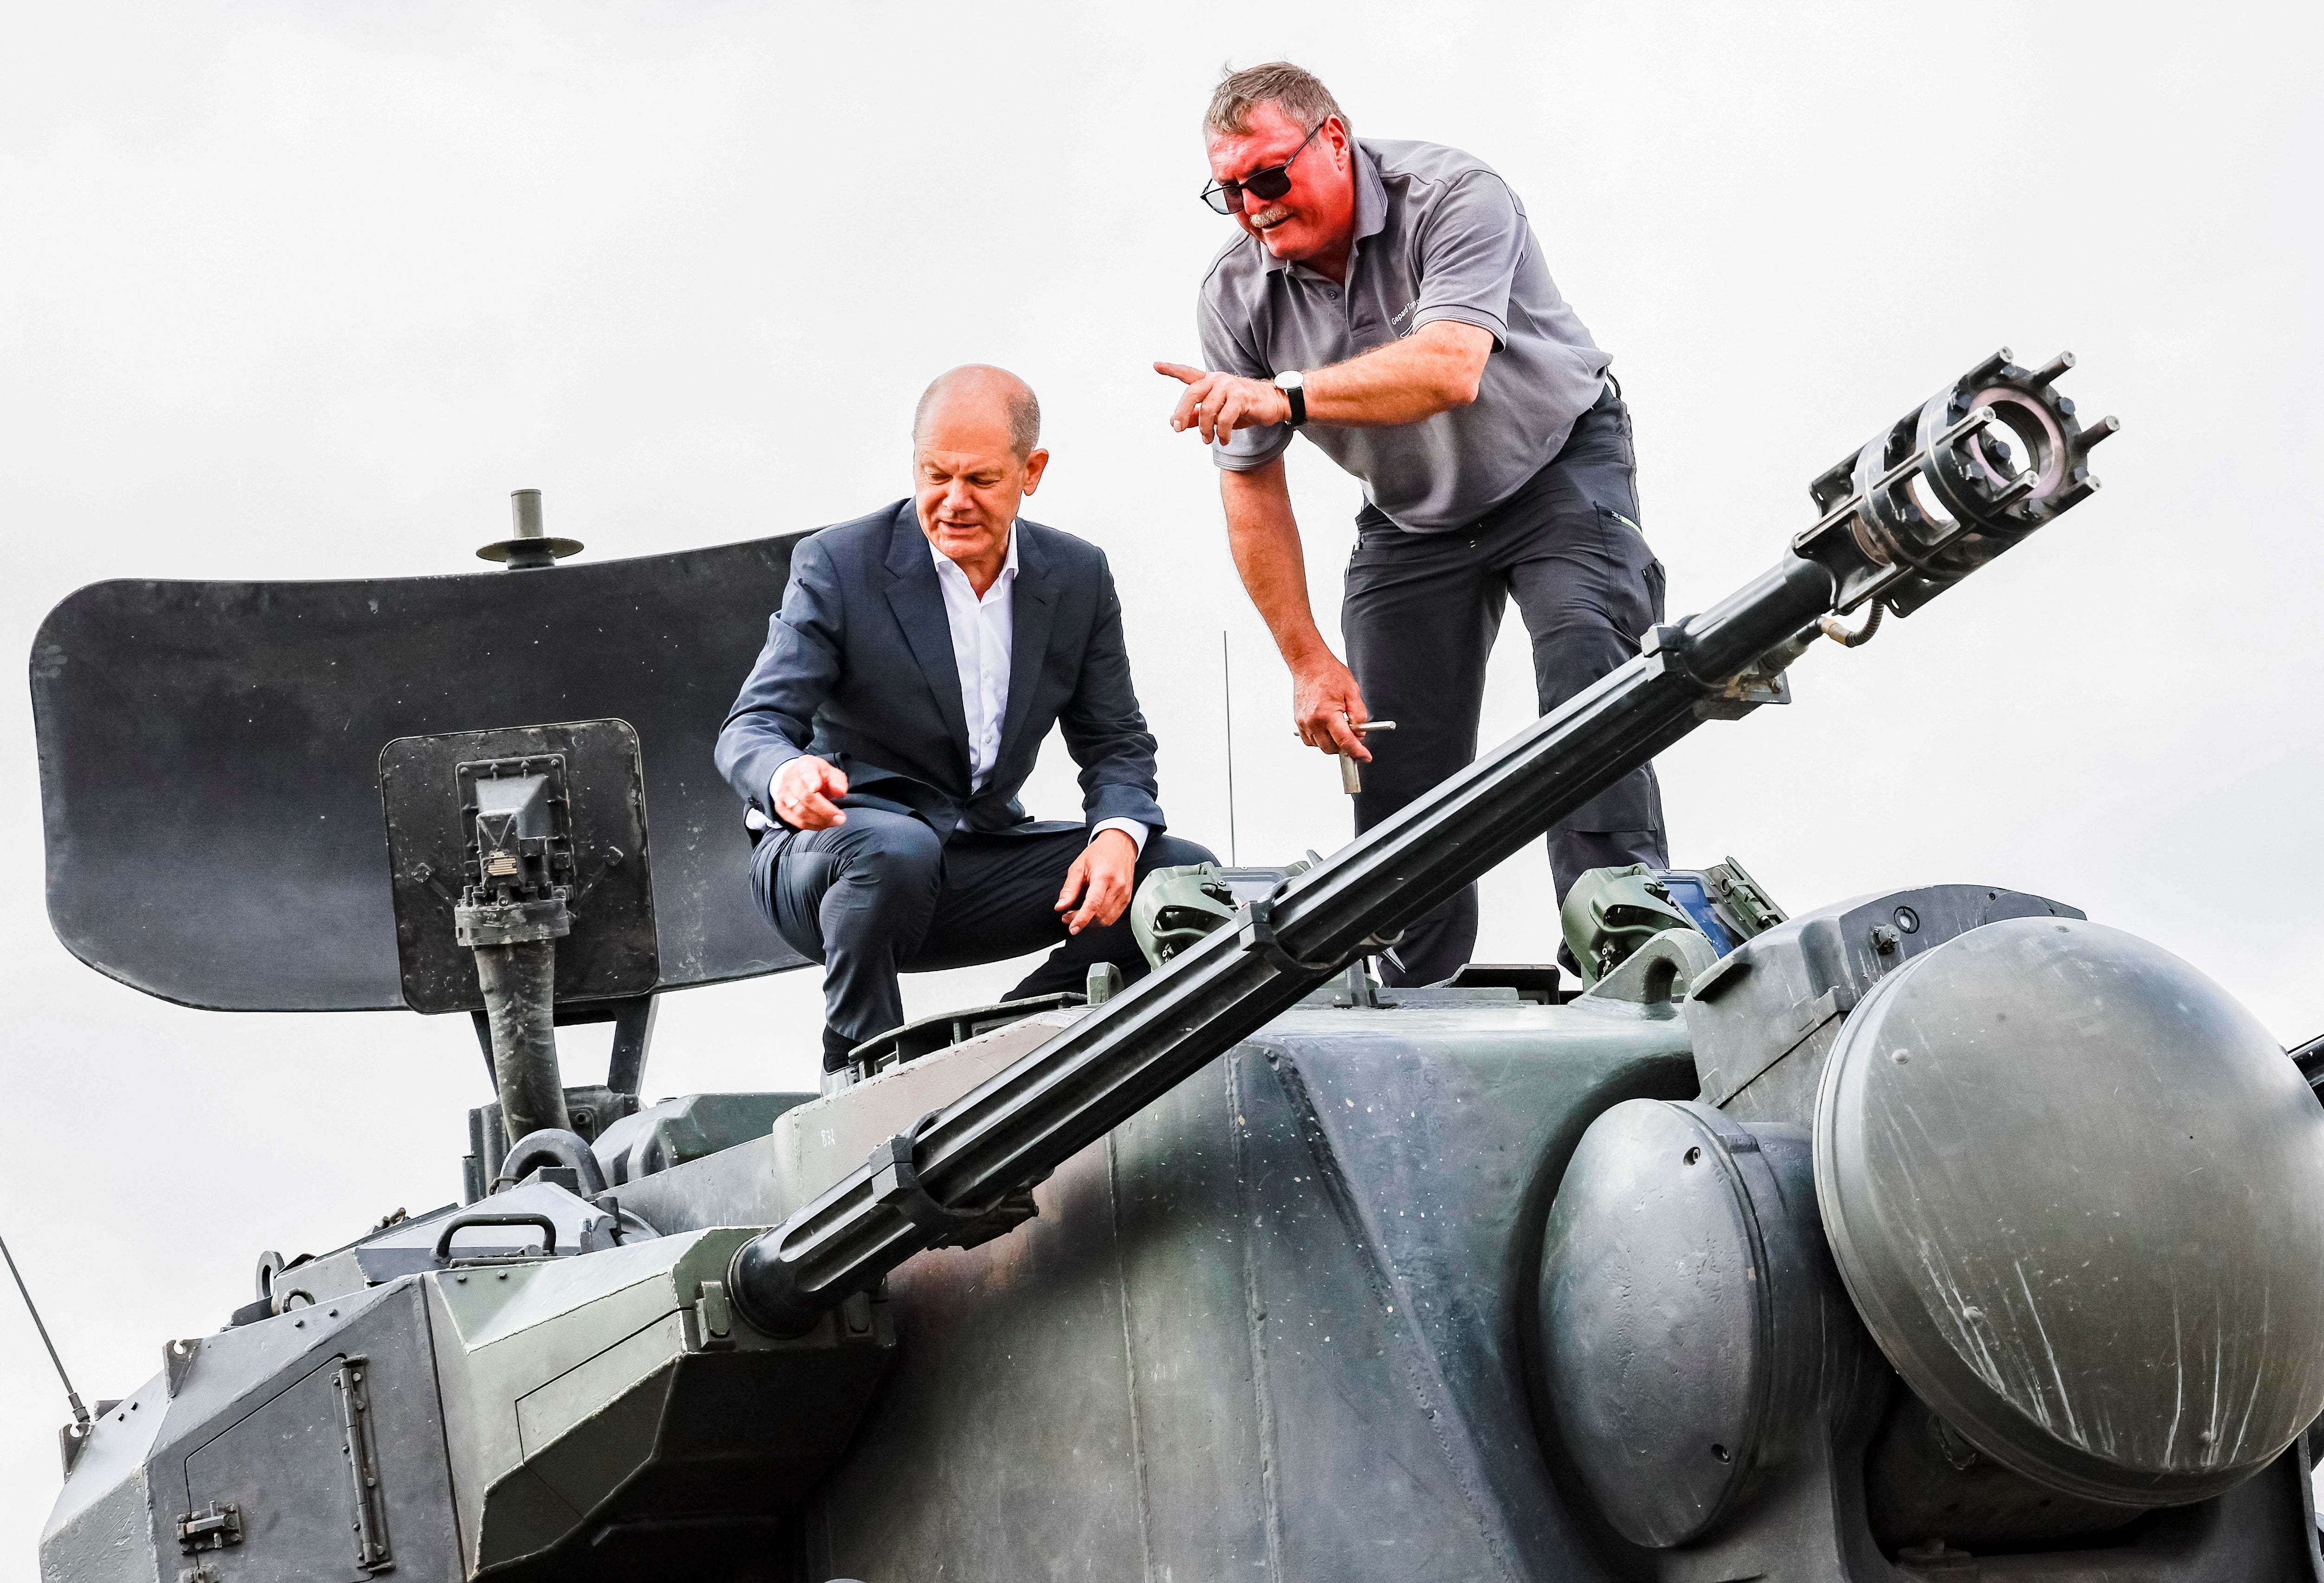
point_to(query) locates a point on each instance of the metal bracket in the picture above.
(1669, 640)
(1255, 928)
(1660, 973)
(1745, 691)
(714, 1318)
(177, 1362)
(896, 1182)
(1720, 976)
(514, 923)
(213, 1527)
(1763, 681)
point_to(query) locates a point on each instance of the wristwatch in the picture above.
(1294, 384)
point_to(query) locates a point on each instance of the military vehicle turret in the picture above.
(1942, 1233)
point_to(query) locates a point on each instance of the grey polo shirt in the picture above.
(1439, 236)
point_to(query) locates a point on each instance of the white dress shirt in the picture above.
(984, 638)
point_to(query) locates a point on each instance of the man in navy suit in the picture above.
(920, 656)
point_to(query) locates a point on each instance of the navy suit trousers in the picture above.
(881, 895)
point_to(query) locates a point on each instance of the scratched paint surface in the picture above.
(2073, 1163)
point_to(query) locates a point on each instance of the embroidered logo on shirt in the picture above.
(1398, 321)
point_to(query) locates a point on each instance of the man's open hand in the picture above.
(804, 789)
(1220, 403)
(1100, 880)
(1325, 698)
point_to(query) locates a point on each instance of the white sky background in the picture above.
(299, 290)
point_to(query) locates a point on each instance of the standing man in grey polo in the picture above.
(1389, 300)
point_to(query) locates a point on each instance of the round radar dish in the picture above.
(2076, 1193)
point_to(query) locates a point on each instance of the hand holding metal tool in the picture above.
(1351, 772)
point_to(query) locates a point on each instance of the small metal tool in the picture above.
(1351, 775)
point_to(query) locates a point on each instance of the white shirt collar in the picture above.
(1007, 565)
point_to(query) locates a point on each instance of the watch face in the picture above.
(1292, 383)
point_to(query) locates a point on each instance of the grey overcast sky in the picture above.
(304, 290)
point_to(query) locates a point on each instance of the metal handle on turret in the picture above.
(460, 1223)
(1925, 503)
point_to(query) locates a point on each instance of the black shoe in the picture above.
(835, 1051)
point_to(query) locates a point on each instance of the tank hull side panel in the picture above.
(1266, 1328)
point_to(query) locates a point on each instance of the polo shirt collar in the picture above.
(1372, 196)
(945, 562)
(1372, 210)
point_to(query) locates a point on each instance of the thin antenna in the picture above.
(1226, 692)
(79, 1413)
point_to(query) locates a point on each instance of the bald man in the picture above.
(921, 656)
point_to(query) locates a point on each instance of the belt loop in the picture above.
(1614, 384)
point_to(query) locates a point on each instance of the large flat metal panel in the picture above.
(210, 757)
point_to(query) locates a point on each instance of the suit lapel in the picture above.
(1032, 615)
(918, 602)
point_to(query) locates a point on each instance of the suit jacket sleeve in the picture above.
(1104, 730)
(774, 720)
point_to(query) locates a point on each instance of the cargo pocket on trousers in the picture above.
(1616, 519)
(1629, 540)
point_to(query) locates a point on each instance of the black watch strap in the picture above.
(1298, 403)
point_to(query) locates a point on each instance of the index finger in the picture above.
(1076, 922)
(1179, 370)
(1347, 739)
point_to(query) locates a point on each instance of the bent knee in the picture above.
(1169, 852)
(907, 854)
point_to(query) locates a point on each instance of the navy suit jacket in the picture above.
(858, 669)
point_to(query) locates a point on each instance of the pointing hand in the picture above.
(1220, 403)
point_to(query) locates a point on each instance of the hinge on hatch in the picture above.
(369, 1525)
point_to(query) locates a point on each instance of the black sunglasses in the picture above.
(1226, 197)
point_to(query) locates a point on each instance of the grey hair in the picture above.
(1298, 93)
(1024, 408)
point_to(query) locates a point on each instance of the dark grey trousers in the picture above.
(1420, 615)
(881, 895)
